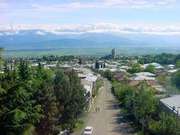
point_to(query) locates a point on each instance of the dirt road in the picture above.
(105, 116)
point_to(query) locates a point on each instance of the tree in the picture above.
(23, 70)
(144, 103)
(178, 63)
(150, 68)
(167, 124)
(108, 74)
(1, 59)
(47, 98)
(135, 68)
(70, 95)
(176, 79)
(19, 109)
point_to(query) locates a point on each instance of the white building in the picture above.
(172, 104)
(147, 74)
(88, 79)
(156, 65)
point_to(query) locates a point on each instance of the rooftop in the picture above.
(145, 74)
(172, 102)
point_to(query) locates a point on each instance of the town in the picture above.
(141, 91)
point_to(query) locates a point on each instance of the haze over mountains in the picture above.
(101, 35)
(41, 39)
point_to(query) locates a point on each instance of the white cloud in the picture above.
(139, 3)
(104, 4)
(40, 33)
(98, 28)
(75, 5)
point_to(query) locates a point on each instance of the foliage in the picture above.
(23, 70)
(71, 96)
(150, 68)
(1, 59)
(98, 85)
(108, 74)
(166, 125)
(178, 63)
(163, 58)
(39, 101)
(176, 79)
(135, 68)
(141, 103)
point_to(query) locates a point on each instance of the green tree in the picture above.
(20, 109)
(135, 68)
(176, 79)
(178, 63)
(150, 68)
(47, 98)
(70, 95)
(108, 74)
(1, 59)
(167, 124)
(23, 70)
(144, 103)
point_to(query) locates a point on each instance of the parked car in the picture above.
(65, 132)
(88, 130)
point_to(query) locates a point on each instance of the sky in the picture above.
(160, 16)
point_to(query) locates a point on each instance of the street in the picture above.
(105, 116)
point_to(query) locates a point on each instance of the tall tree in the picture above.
(1, 59)
(24, 71)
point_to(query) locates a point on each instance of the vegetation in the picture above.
(176, 79)
(37, 100)
(1, 50)
(163, 58)
(150, 68)
(141, 105)
(98, 85)
(135, 68)
(178, 63)
(108, 74)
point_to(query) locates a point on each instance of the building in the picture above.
(88, 81)
(171, 66)
(99, 65)
(113, 53)
(142, 76)
(120, 76)
(156, 66)
(171, 104)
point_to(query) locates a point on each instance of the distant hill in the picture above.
(39, 39)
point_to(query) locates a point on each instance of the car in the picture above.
(88, 130)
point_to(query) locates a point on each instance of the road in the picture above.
(108, 120)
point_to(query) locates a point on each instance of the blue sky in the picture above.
(89, 11)
(66, 12)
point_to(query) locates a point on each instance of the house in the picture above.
(88, 79)
(142, 76)
(120, 76)
(147, 74)
(171, 66)
(171, 104)
(159, 88)
(156, 65)
(172, 71)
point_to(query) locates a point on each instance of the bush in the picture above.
(176, 79)
(166, 125)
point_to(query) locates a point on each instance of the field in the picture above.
(91, 51)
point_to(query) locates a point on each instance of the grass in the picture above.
(121, 50)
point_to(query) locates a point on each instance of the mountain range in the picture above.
(40, 39)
